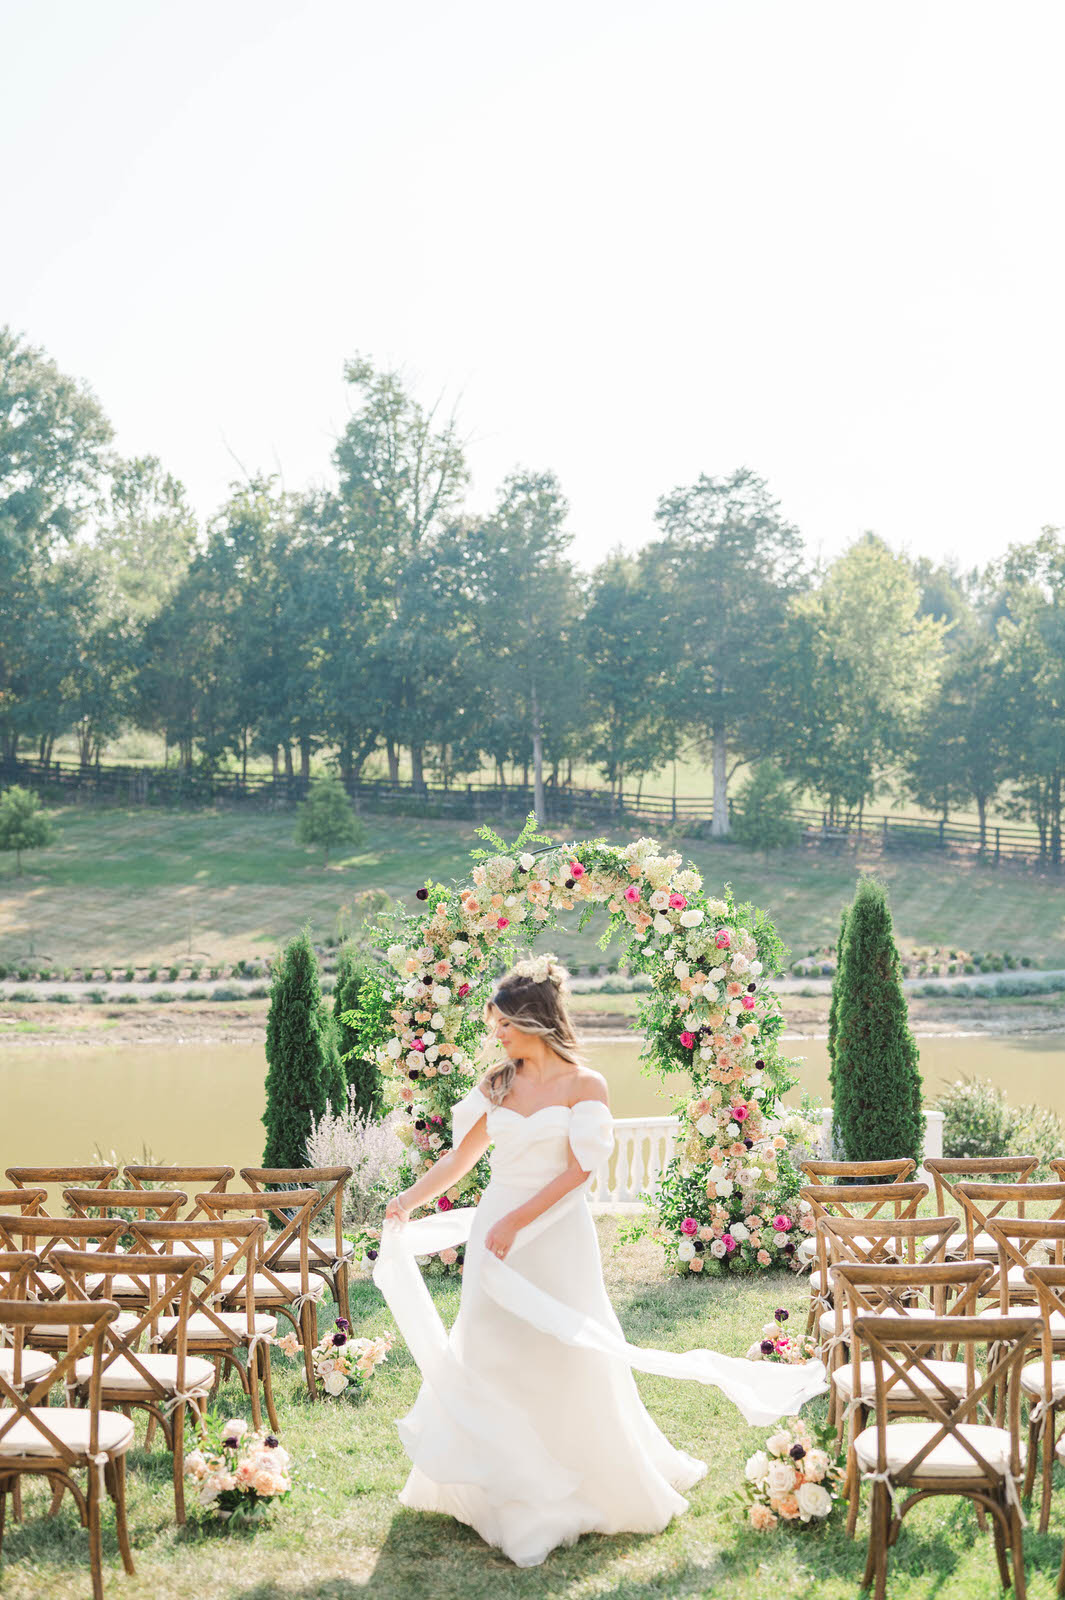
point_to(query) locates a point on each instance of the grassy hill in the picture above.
(151, 885)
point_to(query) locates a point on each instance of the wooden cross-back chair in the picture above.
(45, 1285)
(22, 1367)
(126, 1205)
(29, 1201)
(953, 1452)
(849, 1201)
(1043, 1383)
(58, 1178)
(162, 1383)
(987, 1204)
(213, 1330)
(58, 1441)
(193, 1180)
(868, 1241)
(292, 1294)
(328, 1254)
(886, 1289)
(865, 1172)
(947, 1172)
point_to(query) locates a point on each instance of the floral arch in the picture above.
(729, 1196)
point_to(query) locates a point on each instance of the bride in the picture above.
(528, 1425)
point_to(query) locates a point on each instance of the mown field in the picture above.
(342, 1535)
(220, 884)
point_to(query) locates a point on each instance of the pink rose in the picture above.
(502, 922)
(722, 939)
(688, 1040)
(728, 1241)
(782, 1224)
(747, 1002)
(632, 894)
(443, 1204)
(462, 990)
(678, 902)
(417, 1044)
(576, 870)
(689, 1225)
(739, 1113)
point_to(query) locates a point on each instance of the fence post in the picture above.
(996, 846)
(942, 820)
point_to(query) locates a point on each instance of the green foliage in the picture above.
(876, 1080)
(352, 972)
(833, 1006)
(761, 817)
(326, 817)
(978, 1120)
(304, 1075)
(23, 824)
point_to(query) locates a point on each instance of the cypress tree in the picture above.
(352, 971)
(877, 1082)
(299, 1079)
(833, 1010)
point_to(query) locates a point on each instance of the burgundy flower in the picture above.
(797, 1452)
(340, 1339)
(462, 990)
(781, 1315)
(688, 1040)
(443, 1204)
(421, 894)
(767, 1347)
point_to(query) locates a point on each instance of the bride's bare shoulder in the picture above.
(589, 1085)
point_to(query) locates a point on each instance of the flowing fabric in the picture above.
(528, 1425)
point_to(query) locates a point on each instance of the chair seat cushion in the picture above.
(123, 1324)
(1057, 1320)
(266, 1288)
(952, 1373)
(203, 1329)
(35, 1366)
(123, 1287)
(122, 1376)
(826, 1322)
(1033, 1380)
(327, 1246)
(949, 1459)
(983, 1245)
(68, 1423)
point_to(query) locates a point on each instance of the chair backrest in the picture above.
(205, 1289)
(898, 1345)
(163, 1282)
(936, 1289)
(986, 1203)
(30, 1202)
(61, 1177)
(293, 1207)
(850, 1201)
(916, 1241)
(127, 1203)
(86, 1322)
(191, 1179)
(16, 1268)
(947, 1172)
(1023, 1242)
(820, 1172)
(44, 1235)
(331, 1182)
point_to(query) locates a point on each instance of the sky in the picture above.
(628, 242)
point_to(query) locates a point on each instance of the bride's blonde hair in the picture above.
(532, 996)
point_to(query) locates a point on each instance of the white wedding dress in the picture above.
(528, 1425)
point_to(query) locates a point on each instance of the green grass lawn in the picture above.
(150, 885)
(342, 1533)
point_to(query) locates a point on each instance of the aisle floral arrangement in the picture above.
(794, 1478)
(730, 1195)
(789, 1349)
(238, 1474)
(342, 1364)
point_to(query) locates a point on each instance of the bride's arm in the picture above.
(445, 1172)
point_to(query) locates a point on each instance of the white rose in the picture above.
(814, 1501)
(436, 1021)
(414, 1156)
(739, 1232)
(526, 861)
(459, 949)
(716, 974)
(732, 1131)
(661, 924)
(780, 1479)
(815, 1464)
(394, 1048)
(755, 968)
(426, 953)
(724, 1190)
(682, 970)
(432, 1052)
(685, 1250)
(441, 994)
(716, 1174)
(706, 1125)
(458, 1057)
(709, 993)
(719, 1248)
(397, 956)
(757, 1465)
(659, 900)
(428, 1037)
(758, 1093)
(336, 1383)
(691, 918)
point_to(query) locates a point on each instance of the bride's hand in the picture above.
(501, 1236)
(395, 1211)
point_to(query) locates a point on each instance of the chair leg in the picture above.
(853, 1490)
(95, 1548)
(340, 1290)
(1020, 1586)
(308, 1332)
(250, 1377)
(999, 1534)
(268, 1388)
(877, 1533)
(1048, 1432)
(118, 1478)
(1030, 1461)
(177, 1437)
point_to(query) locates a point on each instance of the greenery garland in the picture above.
(728, 1197)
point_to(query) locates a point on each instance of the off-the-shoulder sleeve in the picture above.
(465, 1112)
(591, 1133)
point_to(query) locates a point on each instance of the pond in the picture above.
(202, 1103)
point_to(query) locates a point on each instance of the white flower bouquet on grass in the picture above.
(776, 1344)
(238, 1474)
(795, 1477)
(343, 1364)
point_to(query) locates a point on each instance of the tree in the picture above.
(833, 1005)
(326, 818)
(23, 825)
(876, 1082)
(302, 1077)
(729, 565)
(763, 817)
(626, 655)
(353, 970)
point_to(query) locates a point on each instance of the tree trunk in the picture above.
(393, 760)
(719, 820)
(305, 758)
(244, 759)
(275, 757)
(981, 809)
(538, 762)
(417, 776)
(569, 773)
(1055, 820)
(287, 751)
(501, 776)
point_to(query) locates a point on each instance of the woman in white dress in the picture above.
(528, 1425)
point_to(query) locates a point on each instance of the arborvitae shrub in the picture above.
(876, 1079)
(301, 1054)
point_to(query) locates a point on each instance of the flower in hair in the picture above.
(542, 969)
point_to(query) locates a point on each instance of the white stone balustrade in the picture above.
(644, 1145)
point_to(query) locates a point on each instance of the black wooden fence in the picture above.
(110, 784)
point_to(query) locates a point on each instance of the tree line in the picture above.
(382, 614)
